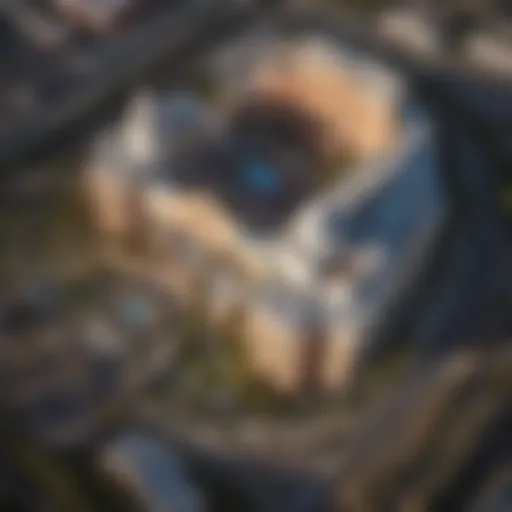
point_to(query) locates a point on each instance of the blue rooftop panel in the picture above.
(261, 178)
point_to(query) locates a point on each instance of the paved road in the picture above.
(472, 135)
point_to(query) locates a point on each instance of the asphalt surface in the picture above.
(471, 136)
(82, 97)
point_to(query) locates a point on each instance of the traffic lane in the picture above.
(490, 104)
(474, 268)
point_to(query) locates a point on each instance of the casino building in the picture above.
(305, 200)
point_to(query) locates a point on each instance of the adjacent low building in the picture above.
(72, 374)
(307, 199)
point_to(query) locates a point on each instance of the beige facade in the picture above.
(357, 116)
(340, 358)
(275, 350)
(204, 226)
(108, 204)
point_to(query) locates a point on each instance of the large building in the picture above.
(306, 199)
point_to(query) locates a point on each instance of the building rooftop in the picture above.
(260, 167)
(260, 163)
(293, 127)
